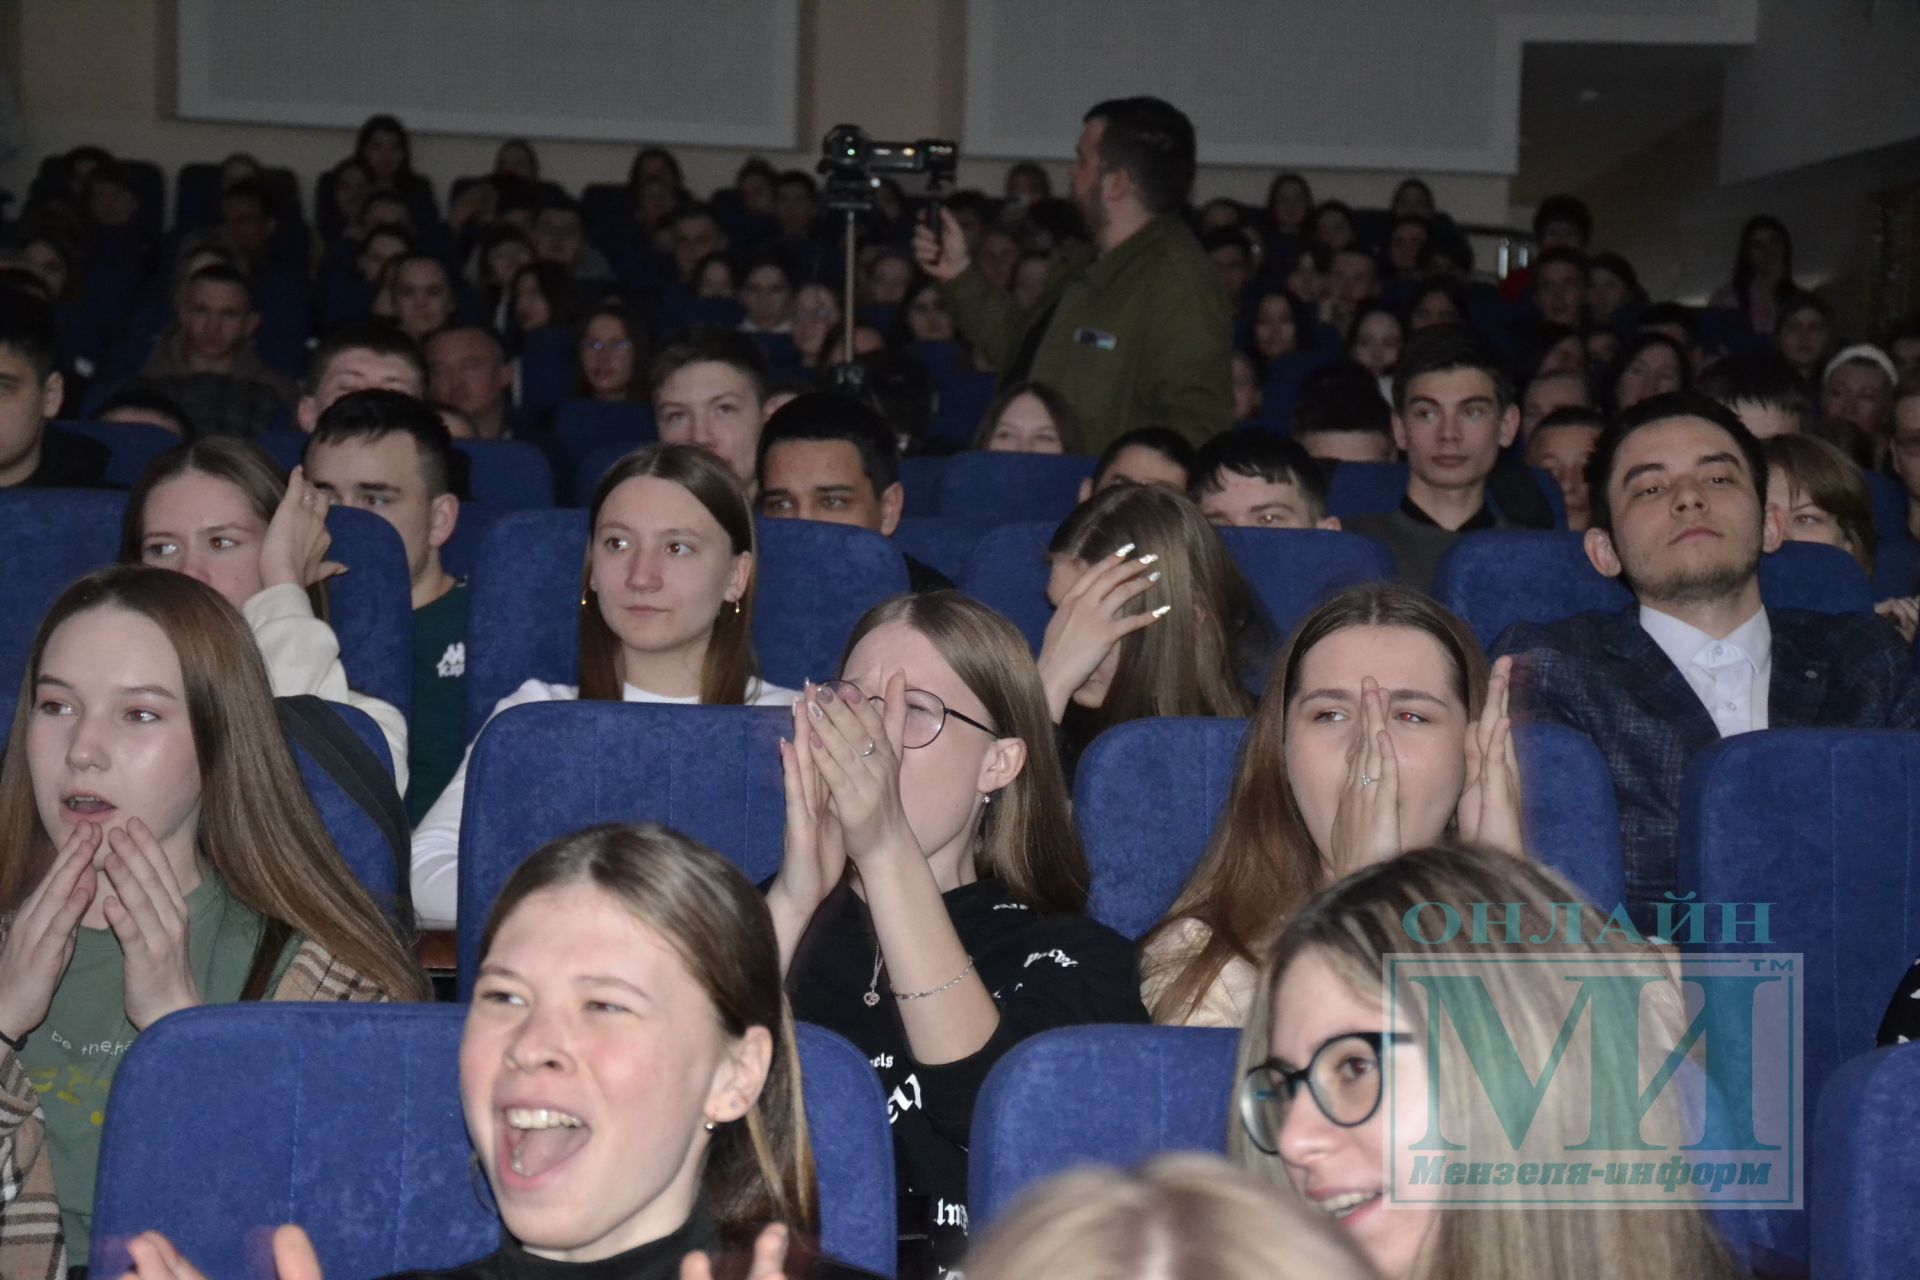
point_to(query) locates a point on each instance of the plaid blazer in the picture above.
(1603, 675)
(32, 1246)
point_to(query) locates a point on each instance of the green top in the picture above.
(437, 735)
(1138, 337)
(71, 1057)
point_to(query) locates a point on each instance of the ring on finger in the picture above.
(871, 745)
(1365, 781)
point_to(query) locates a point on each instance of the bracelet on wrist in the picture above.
(948, 985)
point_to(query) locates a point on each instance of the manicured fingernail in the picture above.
(1123, 552)
(813, 709)
(1149, 558)
(850, 696)
(1163, 611)
(1154, 576)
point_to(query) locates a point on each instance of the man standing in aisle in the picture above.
(1134, 330)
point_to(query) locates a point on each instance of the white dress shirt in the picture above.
(1730, 676)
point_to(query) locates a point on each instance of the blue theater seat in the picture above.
(1113, 1095)
(1865, 1170)
(582, 428)
(813, 581)
(48, 537)
(1366, 488)
(507, 475)
(226, 1120)
(131, 446)
(921, 479)
(1503, 576)
(548, 361)
(934, 540)
(371, 606)
(1010, 488)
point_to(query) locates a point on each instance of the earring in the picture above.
(584, 593)
(709, 1126)
(987, 798)
(736, 608)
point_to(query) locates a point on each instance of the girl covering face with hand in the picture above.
(1380, 732)
(928, 903)
(164, 854)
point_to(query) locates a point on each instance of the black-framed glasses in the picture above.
(926, 714)
(1343, 1075)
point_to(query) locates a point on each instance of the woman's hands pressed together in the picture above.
(40, 940)
(1366, 825)
(1089, 623)
(295, 548)
(148, 914)
(1489, 810)
(154, 1257)
(857, 749)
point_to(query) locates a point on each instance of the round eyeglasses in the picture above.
(926, 714)
(1343, 1075)
(603, 344)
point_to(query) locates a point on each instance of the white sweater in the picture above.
(303, 656)
(436, 841)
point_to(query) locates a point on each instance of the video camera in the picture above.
(852, 163)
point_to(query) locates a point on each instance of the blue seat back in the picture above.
(921, 479)
(1889, 508)
(226, 1120)
(542, 770)
(372, 606)
(1819, 823)
(131, 446)
(362, 845)
(582, 428)
(1007, 571)
(1866, 1174)
(507, 475)
(548, 361)
(1108, 1094)
(48, 537)
(1367, 488)
(813, 581)
(937, 541)
(461, 552)
(1011, 488)
(1503, 576)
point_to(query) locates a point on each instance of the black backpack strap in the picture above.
(356, 770)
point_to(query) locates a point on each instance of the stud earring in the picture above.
(709, 1126)
(736, 608)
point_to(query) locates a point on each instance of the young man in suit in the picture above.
(1677, 495)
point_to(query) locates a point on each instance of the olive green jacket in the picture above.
(1138, 337)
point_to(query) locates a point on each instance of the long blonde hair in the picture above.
(1026, 839)
(1182, 1216)
(1360, 921)
(758, 1170)
(1260, 865)
(1190, 663)
(260, 835)
(729, 665)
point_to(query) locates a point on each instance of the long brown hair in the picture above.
(1026, 839)
(259, 832)
(1260, 865)
(1357, 923)
(729, 665)
(245, 466)
(1189, 663)
(760, 1169)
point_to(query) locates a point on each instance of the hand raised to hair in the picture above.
(1489, 811)
(1366, 824)
(40, 939)
(295, 547)
(1088, 623)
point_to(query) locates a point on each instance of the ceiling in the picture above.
(1586, 107)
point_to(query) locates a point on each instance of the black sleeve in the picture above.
(1902, 1022)
(1063, 971)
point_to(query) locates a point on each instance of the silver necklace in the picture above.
(872, 997)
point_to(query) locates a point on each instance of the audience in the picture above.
(1341, 416)
(212, 333)
(929, 845)
(388, 453)
(165, 855)
(666, 615)
(1857, 395)
(1257, 479)
(373, 355)
(1028, 417)
(1677, 496)
(1823, 498)
(1763, 391)
(1904, 456)
(418, 293)
(1380, 732)
(1549, 392)
(827, 456)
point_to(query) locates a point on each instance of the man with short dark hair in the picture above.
(827, 456)
(212, 333)
(1258, 479)
(1560, 286)
(1132, 330)
(467, 370)
(1340, 416)
(1232, 257)
(710, 389)
(560, 236)
(247, 225)
(1679, 514)
(1152, 456)
(696, 235)
(1353, 280)
(368, 355)
(1559, 222)
(1762, 390)
(1560, 444)
(388, 453)
(1550, 392)
(1453, 413)
(31, 452)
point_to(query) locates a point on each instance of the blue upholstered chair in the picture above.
(226, 1120)
(48, 537)
(548, 358)
(542, 770)
(1865, 1171)
(921, 477)
(361, 844)
(1366, 488)
(371, 606)
(1503, 576)
(1149, 792)
(1116, 1095)
(507, 475)
(132, 446)
(1889, 508)
(1007, 571)
(1009, 488)
(937, 541)
(582, 428)
(1819, 823)
(813, 581)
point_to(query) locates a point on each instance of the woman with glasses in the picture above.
(1336, 1100)
(613, 356)
(666, 615)
(928, 905)
(1381, 730)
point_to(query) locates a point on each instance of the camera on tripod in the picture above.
(853, 164)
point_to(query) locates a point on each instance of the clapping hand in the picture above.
(858, 750)
(1489, 810)
(815, 852)
(154, 1257)
(769, 1258)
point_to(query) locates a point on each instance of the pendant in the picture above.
(872, 998)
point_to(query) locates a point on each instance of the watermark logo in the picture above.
(1635, 1078)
